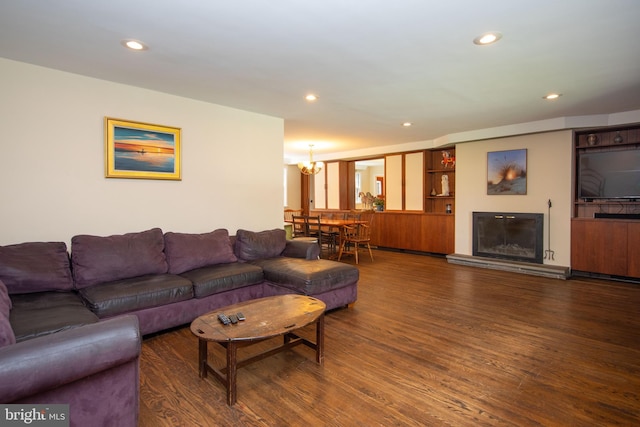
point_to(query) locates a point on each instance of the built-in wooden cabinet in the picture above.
(413, 219)
(606, 246)
(618, 143)
(633, 249)
(599, 246)
(605, 237)
(439, 163)
(421, 232)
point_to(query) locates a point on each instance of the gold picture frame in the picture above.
(141, 150)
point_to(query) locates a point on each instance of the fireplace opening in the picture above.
(511, 236)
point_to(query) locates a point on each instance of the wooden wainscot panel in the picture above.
(414, 231)
(599, 246)
(438, 233)
(633, 245)
(395, 230)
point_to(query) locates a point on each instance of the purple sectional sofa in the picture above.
(84, 315)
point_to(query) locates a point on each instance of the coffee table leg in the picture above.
(232, 367)
(202, 358)
(320, 340)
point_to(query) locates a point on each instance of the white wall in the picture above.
(294, 187)
(52, 151)
(549, 176)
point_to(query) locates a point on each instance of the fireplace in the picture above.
(511, 236)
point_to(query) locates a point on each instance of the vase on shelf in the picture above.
(618, 138)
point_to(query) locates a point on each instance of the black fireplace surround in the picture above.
(510, 236)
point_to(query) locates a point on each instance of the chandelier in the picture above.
(310, 167)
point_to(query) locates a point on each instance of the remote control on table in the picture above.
(241, 317)
(233, 318)
(223, 319)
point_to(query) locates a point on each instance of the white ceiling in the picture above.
(373, 63)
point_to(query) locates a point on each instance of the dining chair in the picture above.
(353, 215)
(314, 228)
(300, 228)
(357, 235)
(331, 233)
(290, 213)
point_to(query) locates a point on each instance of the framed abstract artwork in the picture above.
(507, 172)
(141, 150)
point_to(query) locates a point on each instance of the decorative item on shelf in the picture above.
(618, 138)
(445, 186)
(592, 139)
(367, 200)
(433, 192)
(448, 208)
(448, 159)
(378, 202)
(310, 167)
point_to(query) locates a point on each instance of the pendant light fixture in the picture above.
(310, 167)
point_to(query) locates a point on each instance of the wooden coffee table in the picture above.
(265, 318)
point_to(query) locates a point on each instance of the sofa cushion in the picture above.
(223, 277)
(5, 301)
(309, 277)
(7, 337)
(252, 245)
(126, 295)
(35, 267)
(301, 249)
(189, 251)
(44, 313)
(6, 331)
(98, 259)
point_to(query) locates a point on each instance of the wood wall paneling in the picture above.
(599, 246)
(417, 232)
(633, 249)
(438, 233)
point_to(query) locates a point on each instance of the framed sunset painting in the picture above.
(141, 150)
(507, 172)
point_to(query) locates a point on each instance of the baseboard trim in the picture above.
(551, 271)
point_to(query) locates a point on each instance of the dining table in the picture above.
(339, 224)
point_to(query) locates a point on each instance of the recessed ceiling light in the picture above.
(407, 124)
(552, 96)
(487, 38)
(134, 45)
(311, 97)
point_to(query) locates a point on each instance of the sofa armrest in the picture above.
(51, 361)
(301, 249)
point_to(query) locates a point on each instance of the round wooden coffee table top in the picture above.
(265, 318)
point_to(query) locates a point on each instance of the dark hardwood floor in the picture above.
(427, 343)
